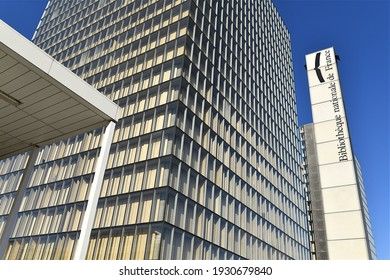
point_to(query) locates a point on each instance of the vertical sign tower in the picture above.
(341, 224)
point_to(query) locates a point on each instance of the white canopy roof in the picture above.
(41, 101)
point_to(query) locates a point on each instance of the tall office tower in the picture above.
(338, 213)
(205, 159)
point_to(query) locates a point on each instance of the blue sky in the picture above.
(359, 32)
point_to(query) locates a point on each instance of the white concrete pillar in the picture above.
(13, 215)
(93, 198)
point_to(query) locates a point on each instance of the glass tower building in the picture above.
(205, 161)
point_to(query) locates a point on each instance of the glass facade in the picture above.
(205, 162)
(11, 172)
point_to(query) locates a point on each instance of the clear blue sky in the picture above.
(359, 32)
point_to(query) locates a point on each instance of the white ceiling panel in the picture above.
(19, 82)
(84, 123)
(32, 88)
(7, 62)
(73, 120)
(36, 133)
(54, 119)
(56, 108)
(12, 73)
(27, 129)
(47, 103)
(3, 104)
(44, 136)
(4, 137)
(36, 97)
(9, 127)
(10, 142)
(20, 147)
(11, 118)
(7, 111)
(53, 100)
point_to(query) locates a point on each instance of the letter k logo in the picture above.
(318, 71)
